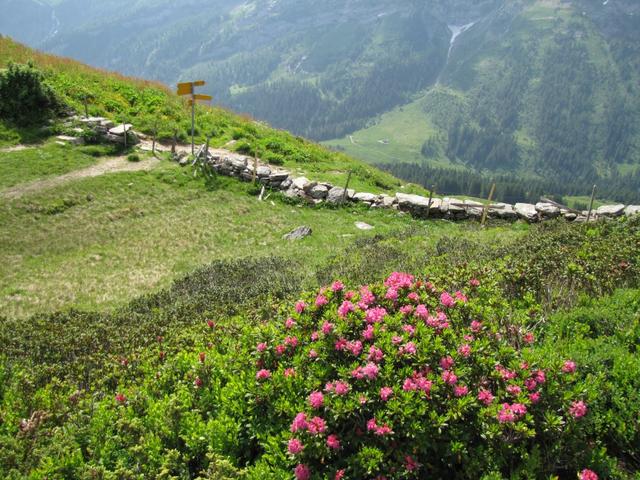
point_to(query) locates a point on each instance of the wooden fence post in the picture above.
(155, 134)
(346, 187)
(486, 207)
(431, 192)
(593, 196)
(124, 127)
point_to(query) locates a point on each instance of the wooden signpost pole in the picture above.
(486, 207)
(188, 88)
(593, 196)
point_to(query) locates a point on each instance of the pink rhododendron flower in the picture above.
(294, 446)
(362, 399)
(485, 396)
(530, 384)
(385, 393)
(321, 301)
(372, 426)
(460, 390)
(446, 363)
(370, 370)
(432, 322)
(409, 385)
(399, 280)
(299, 423)
(392, 294)
(474, 282)
(449, 377)
(337, 286)
(410, 329)
(280, 349)
(424, 384)
(460, 297)
(368, 333)
(410, 464)
(355, 347)
(341, 344)
(315, 336)
(341, 388)
(396, 340)
(300, 306)
(413, 297)
(375, 315)
(263, 374)
(327, 328)
(408, 348)
(291, 341)
(406, 310)
(120, 398)
(476, 326)
(587, 474)
(313, 354)
(289, 323)
(339, 474)
(261, 347)
(197, 383)
(534, 397)
(464, 350)
(345, 308)
(316, 426)
(540, 376)
(349, 295)
(333, 442)
(528, 338)
(569, 367)
(316, 399)
(302, 472)
(289, 372)
(366, 297)
(505, 415)
(519, 409)
(505, 373)
(447, 300)
(469, 338)
(578, 409)
(514, 390)
(422, 312)
(375, 354)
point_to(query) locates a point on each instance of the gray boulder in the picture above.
(365, 197)
(335, 195)
(547, 210)
(120, 129)
(298, 234)
(302, 183)
(473, 208)
(504, 211)
(632, 210)
(526, 211)
(610, 210)
(319, 192)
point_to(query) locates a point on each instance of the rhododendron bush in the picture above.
(405, 379)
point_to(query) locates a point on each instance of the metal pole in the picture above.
(593, 196)
(193, 124)
(486, 207)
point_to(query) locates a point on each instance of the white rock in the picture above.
(547, 209)
(412, 201)
(301, 183)
(526, 211)
(319, 192)
(365, 197)
(610, 210)
(120, 129)
(632, 210)
(363, 226)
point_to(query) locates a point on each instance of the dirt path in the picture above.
(109, 165)
(15, 148)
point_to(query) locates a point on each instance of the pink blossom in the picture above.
(505, 415)
(410, 329)
(372, 424)
(446, 363)
(447, 300)
(289, 372)
(300, 306)
(476, 326)
(399, 280)
(316, 399)
(341, 344)
(291, 341)
(289, 323)
(469, 338)
(505, 373)
(315, 336)
(569, 367)
(280, 349)
(409, 385)
(362, 399)
(449, 377)
(464, 350)
(392, 294)
(375, 315)
(313, 354)
(368, 333)
(530, 384)
(528, 338)
(408, 348)
(295, 446)
(421, 312)
(339, 474)
(474, 282)
(432, 322)
(329, 387)
(519, 409)
(299, 422)
(460, 390)
(396, 340)
(410, 464)
(587, 474)
(366, 297)
(460, 297)
(345, 308)
(327, 328)
(337, 286)
(342, 388)
(302, 472)
(349, 295)
(375, 354)
(370, 370)
(120, 398)
(524, 366)
(485, 396)
(578, 409)
(263, 374)
(413, 297)
(333, 442)
(514, 390)
(321, 301)
(534, 397)
(540, 376)
(316, 426)
(385, 393)
(424, 385)
(355, 347)
(261, 347)
(406, 310)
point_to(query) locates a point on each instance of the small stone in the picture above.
(365, 197)
(298, 234)
(120, 129)
(363, 226)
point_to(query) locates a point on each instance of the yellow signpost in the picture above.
(188, 88)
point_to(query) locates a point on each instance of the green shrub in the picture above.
(244, 147)
(25, 97)
(273, 158)
(133, 157)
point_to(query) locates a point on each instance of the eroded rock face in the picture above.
(298, 234)
(610, 210)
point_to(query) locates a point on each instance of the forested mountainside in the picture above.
(547, 89)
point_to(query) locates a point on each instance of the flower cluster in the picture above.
(389, 369)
